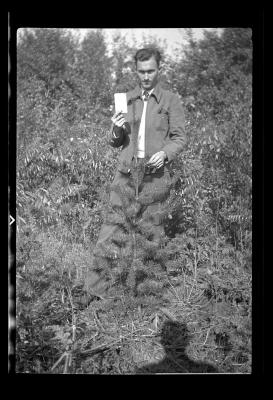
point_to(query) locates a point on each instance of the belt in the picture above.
(150, 170)
(153, 170)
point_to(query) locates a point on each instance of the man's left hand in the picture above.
(157, 160)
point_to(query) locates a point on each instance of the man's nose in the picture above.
(146, 77)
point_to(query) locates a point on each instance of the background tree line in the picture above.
(64, 96)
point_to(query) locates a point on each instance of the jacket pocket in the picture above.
(162, 119)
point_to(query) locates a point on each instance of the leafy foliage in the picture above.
(64, 165)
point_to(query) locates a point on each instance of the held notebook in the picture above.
(120, 102)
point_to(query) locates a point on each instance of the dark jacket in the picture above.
(164, 126)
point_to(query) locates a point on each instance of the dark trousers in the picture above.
(154, 183)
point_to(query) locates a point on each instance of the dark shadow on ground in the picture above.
(175, 339)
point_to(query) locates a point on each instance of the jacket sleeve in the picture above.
(116, 136)
(177, 134)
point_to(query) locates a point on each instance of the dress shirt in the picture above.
(141, 132)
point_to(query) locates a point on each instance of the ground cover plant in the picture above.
(193, 312)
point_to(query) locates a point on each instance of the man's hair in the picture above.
(146, 54)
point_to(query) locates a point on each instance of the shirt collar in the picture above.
(156, 92)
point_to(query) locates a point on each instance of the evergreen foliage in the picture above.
(199, 274)
(134, 256)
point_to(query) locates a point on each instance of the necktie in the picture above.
(146, 95)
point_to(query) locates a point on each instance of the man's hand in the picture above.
(157, 160)
(118, 120)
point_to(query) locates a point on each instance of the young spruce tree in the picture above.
(134, 259)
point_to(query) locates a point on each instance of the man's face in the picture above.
(148, 73)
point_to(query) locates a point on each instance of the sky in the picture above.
(175, 37)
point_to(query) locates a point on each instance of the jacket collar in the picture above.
(137, 93)
(157, 92)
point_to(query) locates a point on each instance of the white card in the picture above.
(120, 102)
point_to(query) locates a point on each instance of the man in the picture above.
(152, 132)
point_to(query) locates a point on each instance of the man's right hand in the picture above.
(118, 120)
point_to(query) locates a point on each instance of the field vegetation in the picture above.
(200, 319)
